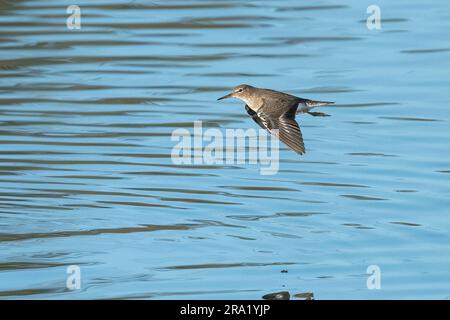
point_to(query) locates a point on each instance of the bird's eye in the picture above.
(240, 90)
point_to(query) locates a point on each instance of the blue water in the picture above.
(86, 177)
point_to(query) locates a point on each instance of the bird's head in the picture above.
(241, 92)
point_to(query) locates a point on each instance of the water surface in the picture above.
(86, 176)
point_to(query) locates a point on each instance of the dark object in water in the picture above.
(282, 295)
(305, 296)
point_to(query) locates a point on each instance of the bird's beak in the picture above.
(226, 96)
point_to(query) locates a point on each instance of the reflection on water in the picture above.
(86, 176)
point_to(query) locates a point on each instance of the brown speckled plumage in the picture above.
(275, 111)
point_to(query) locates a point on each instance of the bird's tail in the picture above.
(313, 103)
(306, 105)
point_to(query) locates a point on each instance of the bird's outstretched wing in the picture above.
(255, 117)
(284, 127)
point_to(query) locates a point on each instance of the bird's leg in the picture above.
(318, 114)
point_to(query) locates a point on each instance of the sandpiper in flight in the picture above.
(275, 111)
